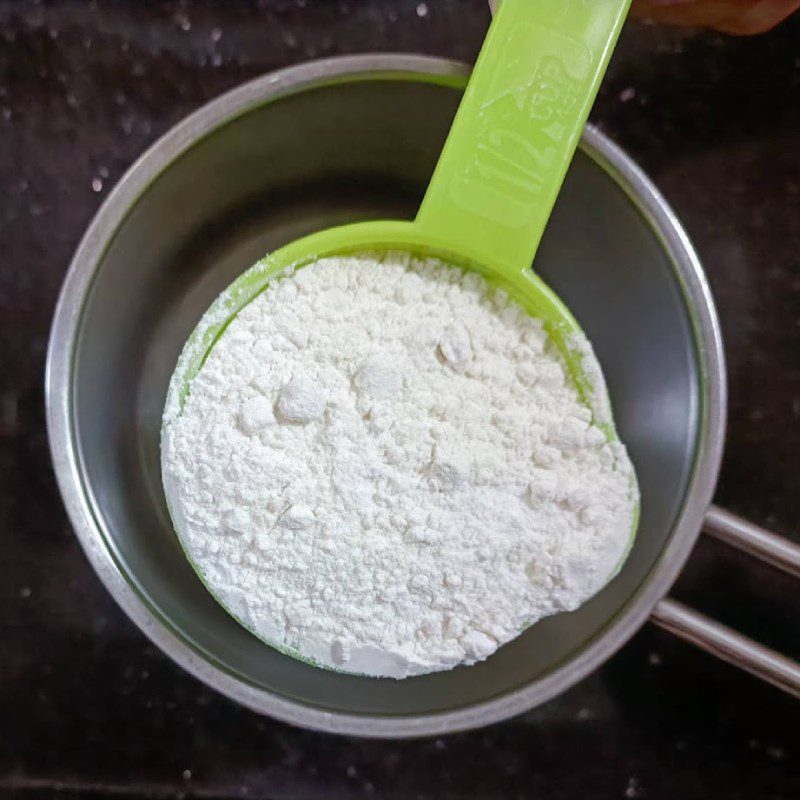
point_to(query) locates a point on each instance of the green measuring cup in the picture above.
(494, 187)
(492, 191)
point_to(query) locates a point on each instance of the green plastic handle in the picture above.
(518, 125)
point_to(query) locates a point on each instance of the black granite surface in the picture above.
(88, 708)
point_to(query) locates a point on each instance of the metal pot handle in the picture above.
(718, 639)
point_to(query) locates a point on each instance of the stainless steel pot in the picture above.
(318, 145)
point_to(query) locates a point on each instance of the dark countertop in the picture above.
(88, 708)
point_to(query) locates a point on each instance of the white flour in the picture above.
(382, 468)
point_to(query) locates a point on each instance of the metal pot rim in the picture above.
(63, 444)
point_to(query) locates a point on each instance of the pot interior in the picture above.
(328, 154)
